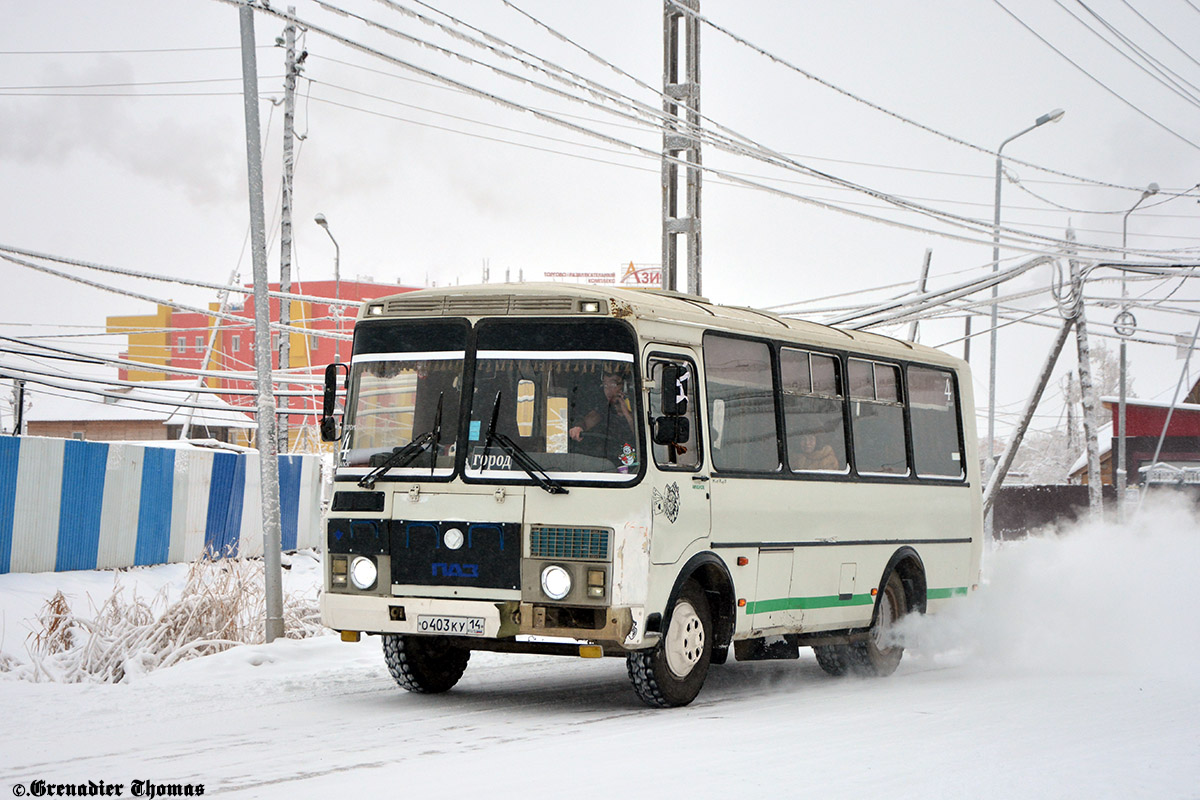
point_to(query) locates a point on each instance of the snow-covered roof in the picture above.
(1137, 401)
(1104, 439)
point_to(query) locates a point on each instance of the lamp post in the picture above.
(1125, 324)
(1053, 116)
(337, 284)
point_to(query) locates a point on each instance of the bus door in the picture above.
(679, 477)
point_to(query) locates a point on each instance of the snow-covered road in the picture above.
(1072, 675)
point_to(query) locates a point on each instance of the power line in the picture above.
(124, 51)
(221, 287)
(783, 62)
(807, 157)
(1156, 29)
(128, 84)
(1094, 79)
(1020, 239)
(1169, 83)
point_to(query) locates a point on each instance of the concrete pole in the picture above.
(681, 87)
(268, 452)
(285, 217)
(18, 408)
(1010, 452)
(1087, 392)
(912, 329)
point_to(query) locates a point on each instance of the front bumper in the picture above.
(349, 612)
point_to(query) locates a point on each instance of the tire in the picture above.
(424, 664)
(875, 656)
(671, 673)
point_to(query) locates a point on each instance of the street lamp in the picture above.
(337, 284)
(1125, 323)
(1053, 116)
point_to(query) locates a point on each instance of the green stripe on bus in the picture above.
(945, 594)
(832, 601)
(788, 603)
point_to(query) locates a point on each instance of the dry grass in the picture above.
(222, 604)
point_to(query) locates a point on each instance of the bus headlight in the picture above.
(556, 582)
(363, 573)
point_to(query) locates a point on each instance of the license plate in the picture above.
(451, 626)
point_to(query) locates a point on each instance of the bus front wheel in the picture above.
(424, 664)
(879, 654)
(671, 673)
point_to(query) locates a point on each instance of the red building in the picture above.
(180, 339)
(1144, 423)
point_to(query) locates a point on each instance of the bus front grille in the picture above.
(547, 541)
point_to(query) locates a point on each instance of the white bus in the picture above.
(592, 471)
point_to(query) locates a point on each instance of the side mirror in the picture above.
(671, 430)
(329, 425)
(674, 389)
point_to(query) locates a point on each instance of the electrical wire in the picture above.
(1095, 80)
(756, 151)
(785, 63)
(1169, 83)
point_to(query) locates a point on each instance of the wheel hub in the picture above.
(684, 644)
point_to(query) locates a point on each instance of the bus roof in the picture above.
(553, 299)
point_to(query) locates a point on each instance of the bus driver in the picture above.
(614, 424)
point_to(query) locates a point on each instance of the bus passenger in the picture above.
(811, 457)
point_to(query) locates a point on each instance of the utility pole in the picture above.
(1087, 391)
(681, 141)
(18, 408)
(1072, 394)
(268, 451)
(912, 329)
(291, 72)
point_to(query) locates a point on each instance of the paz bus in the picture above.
(594, 471)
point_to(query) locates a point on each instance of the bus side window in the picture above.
(934, 414)
(877, 416)
(812, 411)
(738, 375)
(680, 455)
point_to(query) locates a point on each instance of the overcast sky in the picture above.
(422, 184)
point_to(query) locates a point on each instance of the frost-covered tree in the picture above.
(1047, 456)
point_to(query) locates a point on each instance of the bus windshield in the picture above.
(399, 377)
(563, 393)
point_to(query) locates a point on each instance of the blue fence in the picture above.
(68, 504)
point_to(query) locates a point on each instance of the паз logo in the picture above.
(451, 570)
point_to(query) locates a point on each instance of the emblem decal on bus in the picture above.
(669, 504)
(450, 570)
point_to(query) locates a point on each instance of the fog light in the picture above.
(556, 582)
(595, 579)
(363, 573)
(337, 571)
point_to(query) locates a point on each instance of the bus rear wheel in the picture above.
(424, 664)
(671, 673)
(878, 655)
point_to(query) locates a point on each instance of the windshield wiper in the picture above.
(523, 460)
(403, 456)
